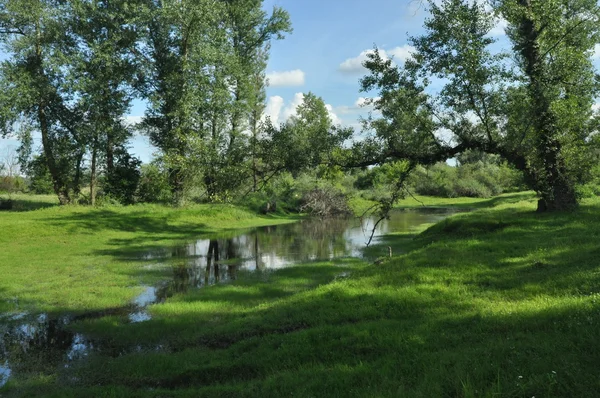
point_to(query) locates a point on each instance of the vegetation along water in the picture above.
(183, 214)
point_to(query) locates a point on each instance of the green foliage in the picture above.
(307, 141)
(40, 181)
(153, 184)
(202, 88)
(532, 106)
(122, 182)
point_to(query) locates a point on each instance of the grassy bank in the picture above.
(499, 302)
(75, 258)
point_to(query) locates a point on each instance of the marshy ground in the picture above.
(499, 301)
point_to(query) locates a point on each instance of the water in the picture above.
(50, 343)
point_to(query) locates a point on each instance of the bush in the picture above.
(40, 181)
(123, 182)
(471, 188)
(153, 186)
(476, 179)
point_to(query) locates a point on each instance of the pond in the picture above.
(45, 341)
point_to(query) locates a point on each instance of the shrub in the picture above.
(153, 186)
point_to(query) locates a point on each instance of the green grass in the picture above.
(74, 258)
(359, 205)
(499, 302)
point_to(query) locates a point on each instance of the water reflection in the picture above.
(40, 341)
(26, 343)
(210, 261)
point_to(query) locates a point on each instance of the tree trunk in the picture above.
(58, 181)
(176, 181)
(93, 176)
(110, 154)
(77, 179)
(560, 197)
(556, 189)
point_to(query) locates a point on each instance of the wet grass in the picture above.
(63, 259)
(499, 302)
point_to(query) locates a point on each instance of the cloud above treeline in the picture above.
(354, 66)
(279, 112)
(291, 78)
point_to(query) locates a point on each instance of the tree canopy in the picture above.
(532, 105)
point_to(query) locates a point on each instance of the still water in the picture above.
(39, 339)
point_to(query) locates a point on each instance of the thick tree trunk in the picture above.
(60, 187)
(561, 197)
(556, 189)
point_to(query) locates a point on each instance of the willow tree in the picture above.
(532, 105)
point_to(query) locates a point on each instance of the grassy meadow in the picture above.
(497, 302)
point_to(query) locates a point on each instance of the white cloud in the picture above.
(363, 102)
(360, 106)
(290, 109)
(355, 65)
(286, 79)
(596, 107)
(401, 53)
(279, 112)
(596, 54)
(334, 118)
(273, 108)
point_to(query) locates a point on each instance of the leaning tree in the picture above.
(532, 104)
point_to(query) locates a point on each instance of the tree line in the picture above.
(75, 67)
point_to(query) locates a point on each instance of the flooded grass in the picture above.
(498, 302)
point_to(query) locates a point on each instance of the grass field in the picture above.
(498, 302)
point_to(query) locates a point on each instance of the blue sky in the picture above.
(323, 55)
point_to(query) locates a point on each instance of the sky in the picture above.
(323, 55)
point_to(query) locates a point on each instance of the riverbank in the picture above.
(497, 302)
(74, 258)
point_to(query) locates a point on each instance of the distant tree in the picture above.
(533, 107)
(40, 181)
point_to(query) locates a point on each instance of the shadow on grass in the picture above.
(502, 303)
(336, 342)
(22, 205)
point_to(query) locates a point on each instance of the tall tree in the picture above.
(33, 81)
(533, 106)
(104, 73)
(307, 140)
(205, 59)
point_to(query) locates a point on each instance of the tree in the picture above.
(307, 140)
(204, 59)
(104, 71)
(33, 84)
(533, 106)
